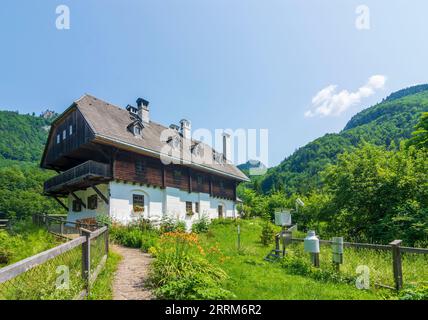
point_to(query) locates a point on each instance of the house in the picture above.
(118, 162)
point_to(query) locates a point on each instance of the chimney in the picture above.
(227, 148)
(143, 110)
(186, 128)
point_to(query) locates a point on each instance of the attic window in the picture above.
(58, 138)
(64, 134)
(70, 130)
(137, 130)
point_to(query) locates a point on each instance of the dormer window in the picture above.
(136, 128)
(198, 151)
(174, 142)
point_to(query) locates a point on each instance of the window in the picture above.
(137, 130)
(189, 209)
(77, 206)
(200, 180)
(140, 168)
(177, 176)
(58, 138)
(64, 134)
(220, 211)
(92, 202)
(138, 203)
(221, 185)
(70, 130)
(197, 207)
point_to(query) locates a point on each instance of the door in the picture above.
(220, 211)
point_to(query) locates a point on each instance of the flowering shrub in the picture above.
(182, 271)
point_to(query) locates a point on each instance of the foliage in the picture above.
(102, 289)
(22, 241)
(420, 135)
(169, 224)
(139, 234)
(181, 270)
(268, 234)
(21, 187)
(201, 225)
(378, 195)
(250, 277)
(415, 293)
(23, 136)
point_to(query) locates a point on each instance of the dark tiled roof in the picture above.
(111, 122)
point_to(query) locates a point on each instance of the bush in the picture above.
(201, 225)
(139, 234)
(268, 234)
(415, 293)
(168, 224)
(181, 270)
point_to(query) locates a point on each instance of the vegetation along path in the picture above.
(130, 282)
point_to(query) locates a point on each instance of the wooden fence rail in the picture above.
(84, 240)
(395, 248)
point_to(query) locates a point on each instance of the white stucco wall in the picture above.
(102, 207)
(157, 203)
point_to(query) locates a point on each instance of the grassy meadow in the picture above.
(250, 277)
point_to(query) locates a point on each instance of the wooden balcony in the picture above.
(80, 177)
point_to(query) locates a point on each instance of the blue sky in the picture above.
(221, 64)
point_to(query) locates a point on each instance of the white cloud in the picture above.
(329, 102)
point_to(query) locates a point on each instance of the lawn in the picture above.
(250, 277)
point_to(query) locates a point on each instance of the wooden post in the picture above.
(396, 264)
(106, 239)
(239, 237)
(316, 259)
(86, 258)
(61, 230)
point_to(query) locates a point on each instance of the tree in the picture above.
(420, 135)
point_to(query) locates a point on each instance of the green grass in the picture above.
(23, 241)
(103, 286)
(250, 277)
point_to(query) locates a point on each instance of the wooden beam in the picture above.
(211, 185)
(189, 173)
(100, 194)
(61, 203)
(78, 199)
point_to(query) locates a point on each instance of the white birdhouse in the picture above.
(312, 243)
(283, 218)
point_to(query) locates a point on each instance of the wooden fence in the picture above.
(5, 223)
(394, 247)
(87, 252)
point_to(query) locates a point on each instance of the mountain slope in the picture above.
(22, 136)
(387, 122)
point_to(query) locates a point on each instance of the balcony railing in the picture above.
(87, 171)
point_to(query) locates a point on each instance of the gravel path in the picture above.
(131, 276)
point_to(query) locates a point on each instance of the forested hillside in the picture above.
(21, 180)
(384, 124)
(22, 136)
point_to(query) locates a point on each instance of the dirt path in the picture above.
(131, 275)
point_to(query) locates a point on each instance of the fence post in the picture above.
(46, 221)
(106, 238)
(396, 264)
(86, 258)
(61, 230)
